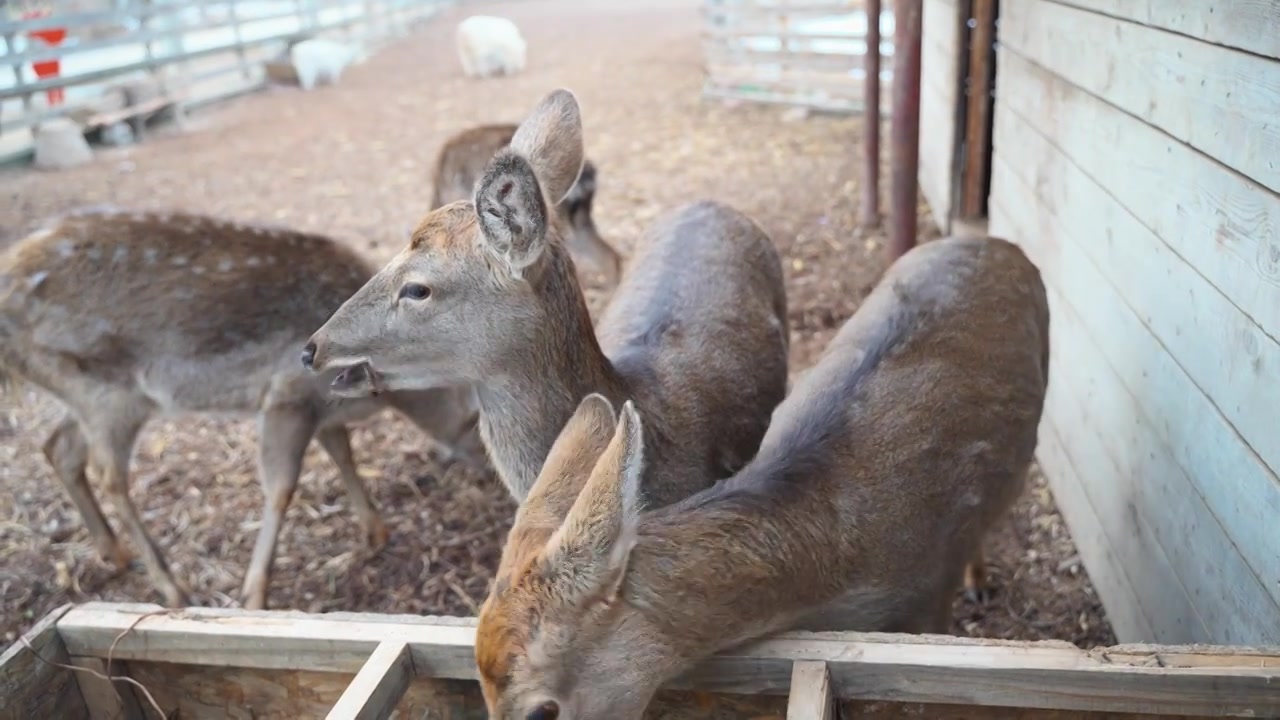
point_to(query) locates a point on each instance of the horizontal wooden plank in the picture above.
(1108, 395)
(33, 688)
(195, 692)
(1219, 348)
(1220, 101)
(810, 696)
(842, 105)
(1106, 571)
(376, 690)
(1227, 227)
(1245, 24)
(901, 668)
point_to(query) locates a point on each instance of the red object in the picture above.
(52, 37)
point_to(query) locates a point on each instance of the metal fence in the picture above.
(800, 52)
(195, 51)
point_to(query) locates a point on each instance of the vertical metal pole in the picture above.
(905, 136)
(871, 118)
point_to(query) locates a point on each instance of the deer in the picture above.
(486, 293)
(879, 476)
(462, 161)
(123, 316)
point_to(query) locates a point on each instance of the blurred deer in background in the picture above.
(486, 293)
(462, 162)
(879, 476)
(124, 316)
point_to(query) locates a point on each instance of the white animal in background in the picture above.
(321, 61)
(489, 46)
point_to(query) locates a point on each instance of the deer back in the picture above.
(904, 443)
(202, 310)
(699, 322)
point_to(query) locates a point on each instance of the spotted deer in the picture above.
(462, 162)
(876, 481)
(124, 316)
(486, 293)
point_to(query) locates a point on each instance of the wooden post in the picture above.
(376, 690)
(810, 697)
(871, 118)
(905, 136)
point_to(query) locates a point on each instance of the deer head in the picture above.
(556, 638)
(459, 302)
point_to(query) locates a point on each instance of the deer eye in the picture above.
(415, 291)
(548, 710)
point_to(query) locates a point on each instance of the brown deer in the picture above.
(875, 483)
(124, 316)
(486, 293)
(462, 162)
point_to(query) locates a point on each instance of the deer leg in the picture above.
(111, 438)
(975, 580)
(336, 442)
(284, 432)
(68, 453)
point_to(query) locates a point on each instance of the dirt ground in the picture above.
(353, 160)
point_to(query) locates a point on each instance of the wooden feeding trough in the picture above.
(214, 663)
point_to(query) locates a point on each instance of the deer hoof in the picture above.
(377, 535)
(977, 594)
(119, 558)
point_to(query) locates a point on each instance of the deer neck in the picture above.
(524, 407)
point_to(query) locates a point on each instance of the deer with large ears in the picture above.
(875, 483)
(462, 162)
(486, 293)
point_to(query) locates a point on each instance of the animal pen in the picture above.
(1057, 141)
(207, 663)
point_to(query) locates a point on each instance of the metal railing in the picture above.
(197, 51)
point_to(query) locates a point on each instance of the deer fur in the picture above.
(124, 316)
(462, 162)
(875, 483)
(696, 330)
(489, 46)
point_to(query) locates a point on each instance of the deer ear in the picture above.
(551, 139)
(512, 211)
(569, 463)
(593, 545)
(564, 473)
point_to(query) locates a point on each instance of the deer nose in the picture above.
(309, 356)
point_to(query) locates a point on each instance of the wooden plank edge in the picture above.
(1216, 681)
(810, 697)
(32, 673)
(378, 687)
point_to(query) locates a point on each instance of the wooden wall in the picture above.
(1137, 160)
(941, 55)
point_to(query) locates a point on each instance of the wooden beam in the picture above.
(810, 697)
(31, 686)
(1194, 680)
(379, 685)
(870, 214)
(106, 700)
(905, 135)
